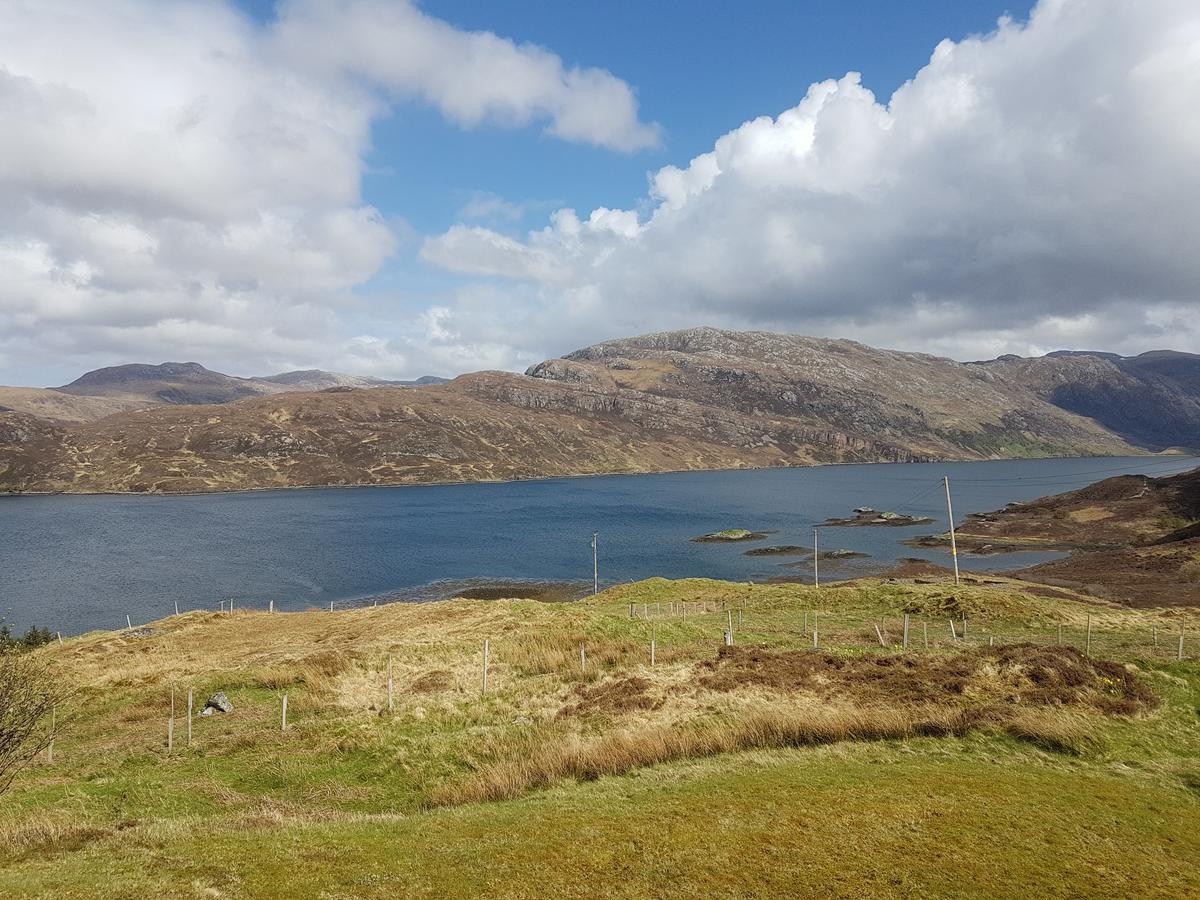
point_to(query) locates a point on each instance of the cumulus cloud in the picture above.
(1029, 189)
(176, 180)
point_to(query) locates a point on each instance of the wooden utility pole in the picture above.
(816, 562)
(950, 513)
(595, 565)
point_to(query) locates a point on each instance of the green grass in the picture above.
(340, 805)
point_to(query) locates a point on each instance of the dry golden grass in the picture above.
(1058, 730)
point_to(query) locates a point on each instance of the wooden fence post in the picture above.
(391, 699)
(1180, 654)
(652, 649)
(582, 658)
(953, 634)
(1089, 636)
(283, 713)
(906, 631)
(176, 607)
(879, 634)
(730, 631)
(53, 731)
(129, 622)
(925, 630)
(1060, 634)
(271, 606)
(189, 727)
(487, 654)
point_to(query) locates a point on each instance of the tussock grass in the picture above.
(1058, 730)
(622, 751)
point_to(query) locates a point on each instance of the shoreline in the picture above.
(1165, 456)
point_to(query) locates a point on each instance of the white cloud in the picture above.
(1029, 189)
(172, 175)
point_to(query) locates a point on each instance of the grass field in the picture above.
(1001, 765)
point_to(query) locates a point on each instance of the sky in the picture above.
(396, 188)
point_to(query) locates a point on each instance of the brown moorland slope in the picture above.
(1149, 528)
(695, 399)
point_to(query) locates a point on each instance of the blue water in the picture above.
(75, 563)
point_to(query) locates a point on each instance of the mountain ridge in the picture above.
(693, 399)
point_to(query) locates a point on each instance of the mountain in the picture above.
(115, 389)
(1151, 400)
(175, 383)
(695, 399)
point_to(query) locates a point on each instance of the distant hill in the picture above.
(115, 389)
(174, 383)
(695, 399)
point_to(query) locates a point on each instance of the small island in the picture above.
(730, 535)
(865, 515)
(781, 550)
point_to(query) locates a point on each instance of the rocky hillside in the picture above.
(1152, 400)
(692, 399)
(1147, 531)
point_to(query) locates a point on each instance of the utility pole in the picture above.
(595, 565)
(816, 563)
(953, 541)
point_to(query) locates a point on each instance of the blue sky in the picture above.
(699, 68)
(397, 188)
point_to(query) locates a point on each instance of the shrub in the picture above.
(29, 693)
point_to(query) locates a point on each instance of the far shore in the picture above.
(1165, 455)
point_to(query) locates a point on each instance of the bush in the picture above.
(29, 693)
(34, 637)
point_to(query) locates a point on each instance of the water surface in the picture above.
(74, 563)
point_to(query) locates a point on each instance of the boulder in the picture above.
(219, 702)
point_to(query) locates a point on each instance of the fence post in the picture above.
(283, 714)
(129, 622)
(1154, 633)
(582, 658)
(652, 648)
(953, 633)
(906, 631)
(53, 731)
(925, 630)
(1060, 634)
(189, 729)
(1180, 654)
(1089, 636)
(391, 701)
(271, 606)
(730, 631)
(176, 607)
(879, 634)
